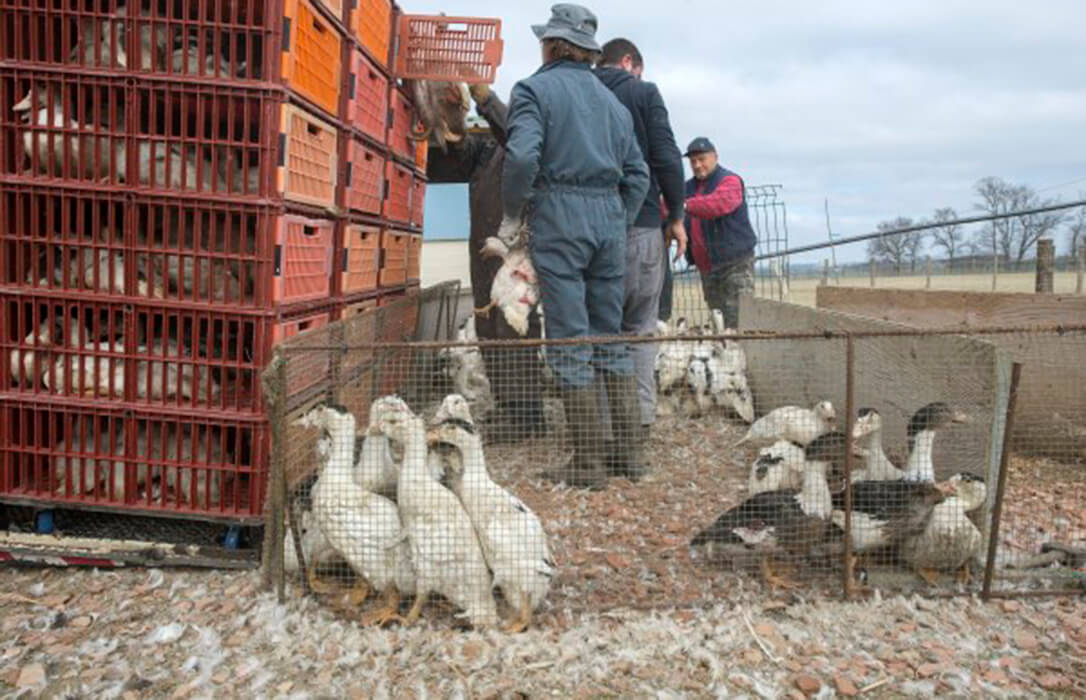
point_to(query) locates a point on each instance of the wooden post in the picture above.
(927, 267)
(825, 271)
(1046, 253)
(1081, 268)
(871, 272)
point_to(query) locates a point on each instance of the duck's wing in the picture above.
(757, 512)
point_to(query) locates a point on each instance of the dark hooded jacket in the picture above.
(653, 130)
(515, 375)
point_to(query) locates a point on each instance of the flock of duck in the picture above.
(797, 496)
(413, 511)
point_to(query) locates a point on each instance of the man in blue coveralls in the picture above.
(573, 170)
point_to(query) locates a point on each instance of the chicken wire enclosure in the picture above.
(830, 461)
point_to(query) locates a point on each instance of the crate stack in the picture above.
(384, 172)
(184, 184)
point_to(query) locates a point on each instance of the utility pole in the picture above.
(833, 248)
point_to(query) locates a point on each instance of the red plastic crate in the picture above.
(361, 256)
(401, 119)
(196, 138)
(307, 164)
(399, 180)
(414, 258)
(367, 97)
(365, 177)
(418, 200)
(312, 51)
(358, 308)
(304, 372)
(371, 22)
(465, 49)
(422, 155)
(303, 259)
(199, 467)
(143, 247)
(335, 7)
(217, 40)
(73, 350)
(393, 270)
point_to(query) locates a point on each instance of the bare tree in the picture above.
(895, 249)
(948, 236)
(1013, 238)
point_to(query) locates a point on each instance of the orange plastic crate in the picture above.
(371, 21)
(467, 49)
(402, 117)
(303, 259)
(365, 177)
(398, 182)
(335, 7)
(361, 257)
(311, 55)
(393, 271)
(422, 154)
(307, 161)
(303, 375)
(414, 258)
(367, 104)
(418, 197)
(358, 308)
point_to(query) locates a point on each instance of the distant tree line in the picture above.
(1011, 241)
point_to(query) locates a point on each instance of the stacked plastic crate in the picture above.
(168, 184)
(384, 176)
(184, 184)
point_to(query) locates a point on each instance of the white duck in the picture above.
(867, 431)
(29, 366)
(672, 358)
(202, 452)
(515, 289)
(511, 535)
(76, 474)
(951, 540)
(448, 558)
(800, 425)
(363, 527)
(779, 466)
(921, 434)
(377, 467)
(465, 367)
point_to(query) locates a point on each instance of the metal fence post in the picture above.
(850, 414)
(1080, 268)
(1046, 253)
(927, 267)
(1001, 485)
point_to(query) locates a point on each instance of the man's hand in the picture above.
(675, 231)
(479, 92)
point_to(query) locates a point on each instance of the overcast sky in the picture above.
(885, 109)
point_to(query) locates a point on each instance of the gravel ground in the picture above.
(180, 634)
(630, 614)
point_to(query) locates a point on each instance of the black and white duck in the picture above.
(795, 520)
(950, 539)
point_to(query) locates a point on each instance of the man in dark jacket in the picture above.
(515, 374)
(620, 69)
(573, 169)
(721, 238)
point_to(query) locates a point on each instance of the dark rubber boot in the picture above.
(585, 470)
(628, 456)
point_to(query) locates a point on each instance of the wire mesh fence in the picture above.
(415, 477)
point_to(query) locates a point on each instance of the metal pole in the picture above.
(850, 415)
(871, 271)
(927, 265)
(1046, 254)
(825, 271)
(279, 480)
(1001, 485)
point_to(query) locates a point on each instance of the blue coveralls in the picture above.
(573, 160)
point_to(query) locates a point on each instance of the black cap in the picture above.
(700, 145)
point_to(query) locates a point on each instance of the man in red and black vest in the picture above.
(721, 238)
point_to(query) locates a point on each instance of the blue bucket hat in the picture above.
(574, 23)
